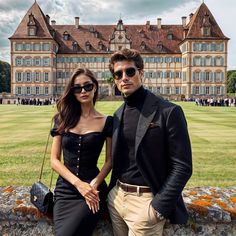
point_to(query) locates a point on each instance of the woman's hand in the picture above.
(88, 192)
(93, 206)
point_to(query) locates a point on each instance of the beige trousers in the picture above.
(132, 214)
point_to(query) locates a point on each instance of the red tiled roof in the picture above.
(151, 37)
(148, 35)
(196, 23)
(43, 28)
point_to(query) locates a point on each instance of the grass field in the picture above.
(24, 131)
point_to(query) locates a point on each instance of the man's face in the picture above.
(127, 77)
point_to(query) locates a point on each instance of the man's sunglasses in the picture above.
(86, 87)
(130, 72)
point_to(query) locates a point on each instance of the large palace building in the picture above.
(181, 61)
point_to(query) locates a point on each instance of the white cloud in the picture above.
(5, 54)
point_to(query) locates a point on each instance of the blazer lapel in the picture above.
(147, 114)
(116, 127)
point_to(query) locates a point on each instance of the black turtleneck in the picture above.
(129, 170)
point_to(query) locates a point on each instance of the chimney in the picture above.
(53, 22)
(48, 19)
(159, 23)
(190, 16)
(184, 21)
(148, 24)
(77, 22)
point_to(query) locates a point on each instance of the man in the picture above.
(151, 155)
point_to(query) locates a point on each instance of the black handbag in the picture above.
(40, 195)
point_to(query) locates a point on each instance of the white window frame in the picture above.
(37, 89)
(46, 90)
(197, 90)
(37, 61)
(18, 76)
(28, 92)
(19, 90)
(28, 61)
(46, 76)
(27, 47)
(19, 47)
(37, 76)
(46, 61)
(28, 76)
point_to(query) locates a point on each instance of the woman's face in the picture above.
(84, 89)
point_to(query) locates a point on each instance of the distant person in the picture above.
(79, 133)
(151, 155)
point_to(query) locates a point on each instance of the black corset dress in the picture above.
(80, 153)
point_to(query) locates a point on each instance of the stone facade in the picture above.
(187, 60)
(212, 212)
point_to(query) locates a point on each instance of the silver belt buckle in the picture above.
(138, 190)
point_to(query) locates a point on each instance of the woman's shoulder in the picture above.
(108, 126)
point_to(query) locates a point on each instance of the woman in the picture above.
(79, 133)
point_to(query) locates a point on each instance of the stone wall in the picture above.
(212, 212)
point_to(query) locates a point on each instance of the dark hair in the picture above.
(126, 55)
(68, 107)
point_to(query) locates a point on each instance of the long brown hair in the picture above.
(68, 107)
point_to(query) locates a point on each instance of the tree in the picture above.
(110, 81)
(231, 81)
(5, 77)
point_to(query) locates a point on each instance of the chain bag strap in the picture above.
(44, 157)
(40, 195)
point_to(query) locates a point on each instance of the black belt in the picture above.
(133, 188)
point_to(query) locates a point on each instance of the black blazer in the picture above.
(162, 152)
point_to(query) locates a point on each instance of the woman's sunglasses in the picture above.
(86, 87)
(130, 72)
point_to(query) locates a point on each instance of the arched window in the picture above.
(100, 45)
(88, 46)
(143, 45)
(75, 46)
(66, 35)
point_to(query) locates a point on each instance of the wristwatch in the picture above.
(159, 215)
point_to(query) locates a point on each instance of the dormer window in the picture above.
(32, 28)
(87, 46)
(100, 45)
(159, 46)
(143, 45)
(206, 31)
(91, 29)
(75, 46)
(31, 31)
(142, 33)
(170, 36)
(96, 34)
(66, 35)
(206, 26)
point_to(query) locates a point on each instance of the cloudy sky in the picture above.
(108, 12)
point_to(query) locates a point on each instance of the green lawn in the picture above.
(24, 131)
